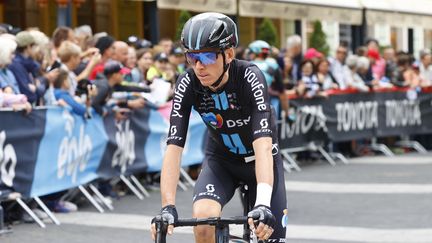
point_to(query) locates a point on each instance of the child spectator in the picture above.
(61, 92)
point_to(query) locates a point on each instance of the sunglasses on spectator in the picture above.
(205, 58)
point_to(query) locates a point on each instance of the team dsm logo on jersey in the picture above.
(8, 161)
(238, 123)
(215, 121)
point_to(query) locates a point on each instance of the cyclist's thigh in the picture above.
(214, 182)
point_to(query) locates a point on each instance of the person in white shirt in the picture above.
(338, 64)
(425, 67)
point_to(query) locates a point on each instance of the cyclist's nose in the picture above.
(199, 65)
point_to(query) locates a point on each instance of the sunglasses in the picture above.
(205, 58)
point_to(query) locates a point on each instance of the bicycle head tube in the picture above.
(161, 229)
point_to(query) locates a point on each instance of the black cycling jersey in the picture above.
(236, 115)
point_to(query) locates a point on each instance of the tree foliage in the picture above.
(267, 32)
(318, 39)
(183, 18)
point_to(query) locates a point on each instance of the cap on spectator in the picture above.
(312, 53)
(160, 57)
(176, 51)
(112, 67)
(104, 43)
(372, 53)
(24, 38)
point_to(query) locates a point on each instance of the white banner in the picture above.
(294, 11)
(222, 6)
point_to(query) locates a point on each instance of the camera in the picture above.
(81, 88)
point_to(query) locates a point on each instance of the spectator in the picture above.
(361, 51)
(177, 58)
(407, 76)
(106, 85)
(363, 71)
(325, 78)
(131, 64)
(308, 85)
(337, 65)
(70, 55)
(294, 51)
(288, 80)
(161, 69)
(14, 101)
(27, 71)
(83, 36)
(8, 83)
(145, 61)
(313, 55)
(61, 92)
(106, 49)
(378, 66)
(42, 49)
(120, 53)
(391, 71)
(353, 79)
(425, 66)
(166, 44)
(61, 34)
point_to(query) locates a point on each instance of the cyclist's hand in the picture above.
(264, 228)
(169, 216)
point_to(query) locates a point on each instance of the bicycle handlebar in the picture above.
(211, 221)
(161, 225)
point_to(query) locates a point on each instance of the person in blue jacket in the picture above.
(61, 92)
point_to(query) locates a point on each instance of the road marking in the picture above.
(380, 188)
(356, 234)
(399, 160)
(305, 232)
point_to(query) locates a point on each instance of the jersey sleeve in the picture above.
(256, 93)
(180, 111)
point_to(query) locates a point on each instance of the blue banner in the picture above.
(20, 135)
(155, 147)
(69, 152)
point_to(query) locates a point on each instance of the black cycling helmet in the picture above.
(209, 30)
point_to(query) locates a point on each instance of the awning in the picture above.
(347, 12)
(222, 6)
(399, 13)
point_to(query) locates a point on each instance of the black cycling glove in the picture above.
(264, 215)
(168, 214)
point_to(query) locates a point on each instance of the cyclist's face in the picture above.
(208, 64)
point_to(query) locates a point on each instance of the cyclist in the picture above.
(231, 97)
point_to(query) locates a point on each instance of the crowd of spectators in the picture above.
(84, 71)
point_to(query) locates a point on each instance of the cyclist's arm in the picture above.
(263, 160)
(179, 121)
(170, 174)
(257, 91)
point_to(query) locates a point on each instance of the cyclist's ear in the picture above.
(229, 54)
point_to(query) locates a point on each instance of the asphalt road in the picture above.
(372, 199)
